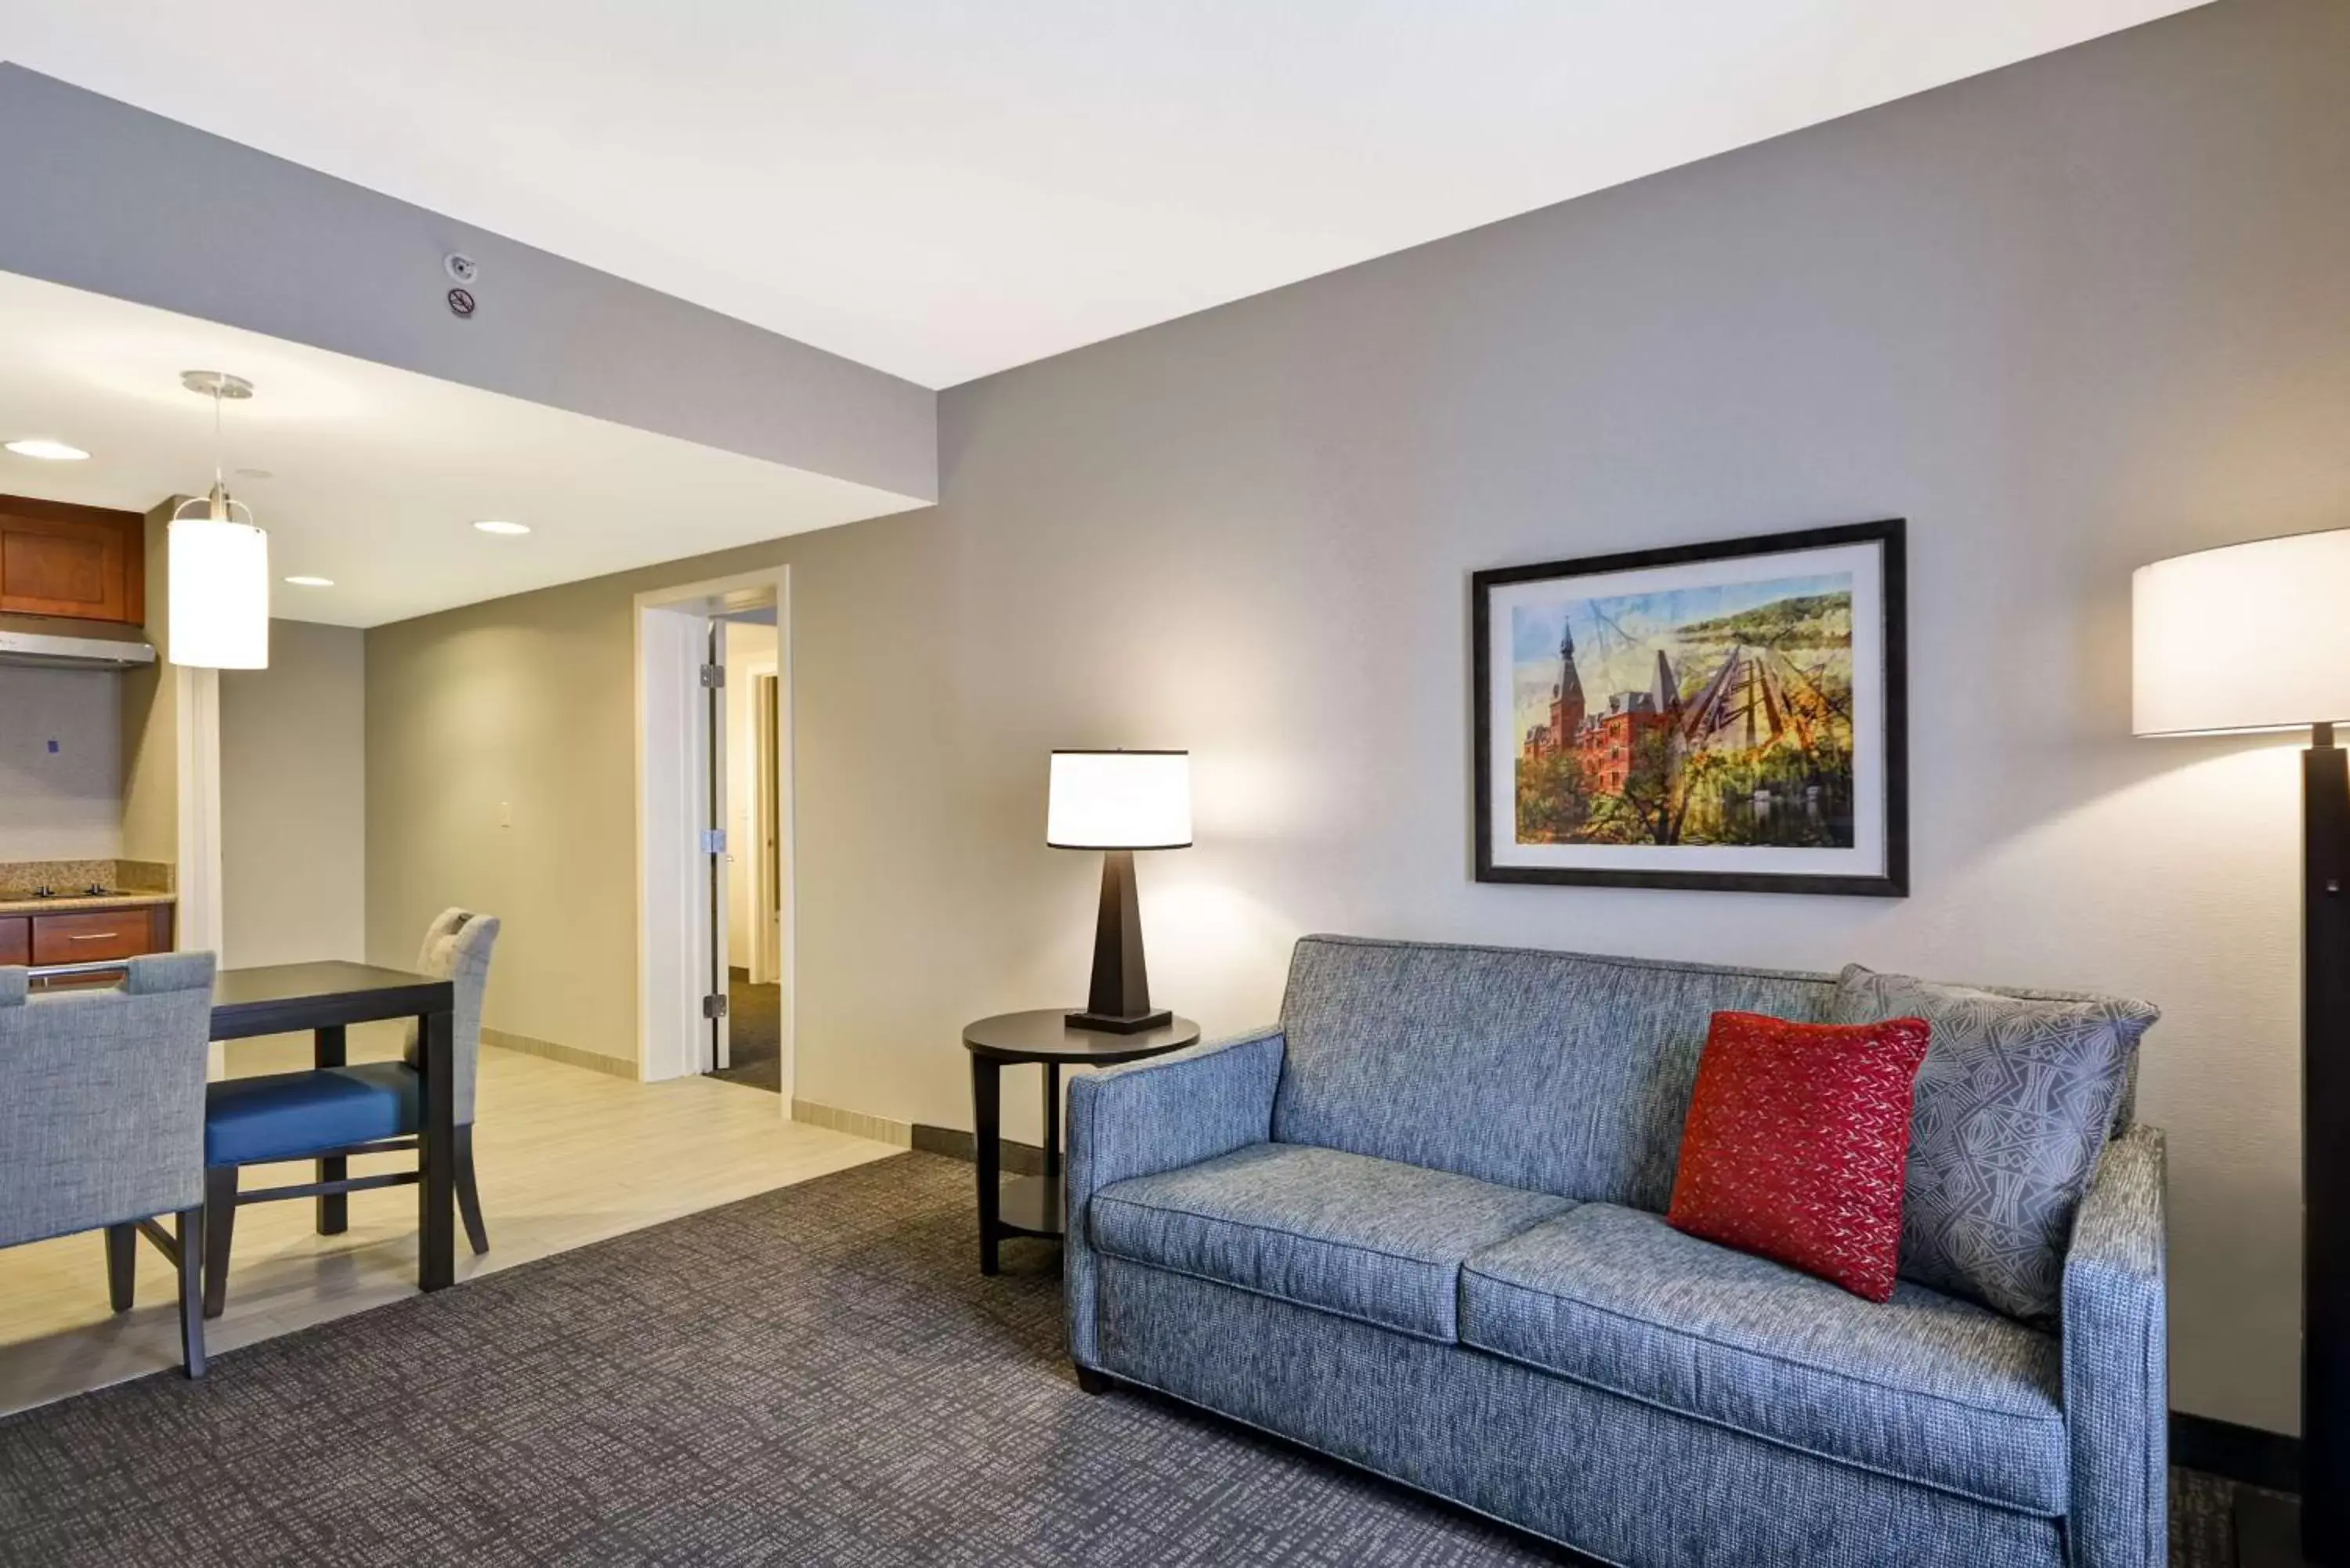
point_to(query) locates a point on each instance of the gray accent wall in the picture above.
(63, 804)
(124, 202)
(2067, 318)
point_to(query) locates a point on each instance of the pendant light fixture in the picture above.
(219, 589)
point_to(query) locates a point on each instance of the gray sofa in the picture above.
(1417, 1226)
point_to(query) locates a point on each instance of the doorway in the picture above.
(715, 936)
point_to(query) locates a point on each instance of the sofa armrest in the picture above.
(1148, 1116)
(2116, 1390)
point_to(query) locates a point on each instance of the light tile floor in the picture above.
(566, 1157)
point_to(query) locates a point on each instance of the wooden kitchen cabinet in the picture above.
(89, 936)
(15, 940)
(85, 562)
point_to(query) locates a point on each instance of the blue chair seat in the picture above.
(292, 1116)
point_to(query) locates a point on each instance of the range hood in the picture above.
(73, 653)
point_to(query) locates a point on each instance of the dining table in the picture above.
(323, 1000)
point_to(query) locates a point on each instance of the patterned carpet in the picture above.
(816, 1375)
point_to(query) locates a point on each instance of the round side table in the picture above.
(1035, 1205)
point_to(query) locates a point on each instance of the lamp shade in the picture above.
(1119, 800)
(219, 587)
(2245, 637)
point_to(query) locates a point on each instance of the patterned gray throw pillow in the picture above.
(2012, 1111)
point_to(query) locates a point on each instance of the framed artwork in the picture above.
(1729, 716)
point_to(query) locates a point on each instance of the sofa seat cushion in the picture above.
(287, 1115)
(1364, 1238)
(1925, 1389)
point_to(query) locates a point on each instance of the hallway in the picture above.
(755, 1031)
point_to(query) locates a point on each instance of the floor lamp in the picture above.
(2256, 636)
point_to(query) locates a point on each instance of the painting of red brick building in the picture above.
(1713, 715)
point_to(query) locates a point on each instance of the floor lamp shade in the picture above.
(1119, 802)
(2245, 637)
(2257, 636)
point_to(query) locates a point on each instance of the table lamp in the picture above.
(1119, 802)
(2256, 636)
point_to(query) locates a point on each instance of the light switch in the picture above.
(506, 813)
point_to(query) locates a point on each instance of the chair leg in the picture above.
(218, 1229)
(121, 1264)
(192, 1267)
(333, 1208)
(469, 1196)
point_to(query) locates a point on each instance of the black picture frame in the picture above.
(1891, 881)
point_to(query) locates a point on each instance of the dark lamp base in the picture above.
(1118, 999)
(1114, 1024)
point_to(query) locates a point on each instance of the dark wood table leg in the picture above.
(987, 1128)
(329, 1049)
(1051, 1119)
(121, 1265)
(436, 1225)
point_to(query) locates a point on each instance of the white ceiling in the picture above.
(378, 475)
(944, 188)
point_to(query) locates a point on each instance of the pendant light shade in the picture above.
(218, 565)
(219, 586)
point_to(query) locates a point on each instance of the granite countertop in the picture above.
(64, 906)
(136, 884)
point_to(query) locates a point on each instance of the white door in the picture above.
(715, 856)
(768, 840)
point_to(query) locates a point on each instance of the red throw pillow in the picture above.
(1797, 1140)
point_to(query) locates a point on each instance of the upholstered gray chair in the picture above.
(329, 1114)
(102, 1120)
(457, 948)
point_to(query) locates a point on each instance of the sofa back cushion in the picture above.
(2014, 1106)
(1562, 1073)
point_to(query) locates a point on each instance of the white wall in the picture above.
(293, 744)
(66, 803)
(750, 653)
(2067, 317)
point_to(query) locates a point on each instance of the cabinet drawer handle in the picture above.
(92, 936)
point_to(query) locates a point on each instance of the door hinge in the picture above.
(714, 1006)
(713, 676)
(713, 841)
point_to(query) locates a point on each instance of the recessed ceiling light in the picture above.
(498, 525)
(47, 450)
(312, 582)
